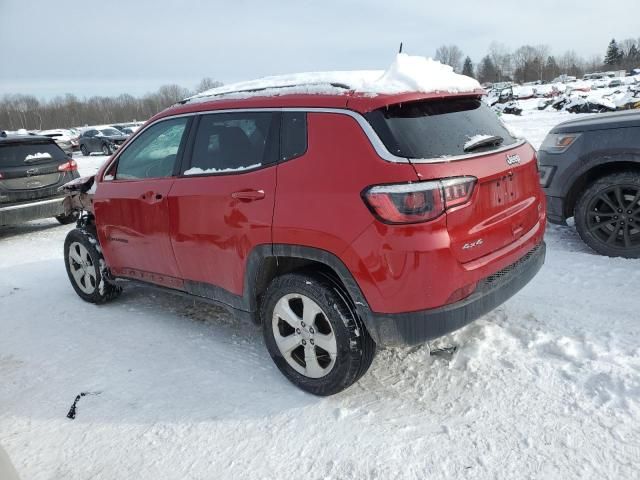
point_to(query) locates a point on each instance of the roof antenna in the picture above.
(400, 50)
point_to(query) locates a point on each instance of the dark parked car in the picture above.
(391, 222)
(103, 139)
(590, 170)
(32, 168)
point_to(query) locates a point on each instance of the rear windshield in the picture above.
(439, 128)
(21, 154)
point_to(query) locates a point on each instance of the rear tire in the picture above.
(86, 268)
(106, 150)
(83, 149)
(607, 215)
(313, 334)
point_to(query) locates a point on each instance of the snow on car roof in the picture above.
(406, 74)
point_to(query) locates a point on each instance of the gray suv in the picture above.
(32, 169)
(590, 170)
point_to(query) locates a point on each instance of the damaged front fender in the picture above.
(79, 195)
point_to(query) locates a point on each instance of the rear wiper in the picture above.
(483, 141)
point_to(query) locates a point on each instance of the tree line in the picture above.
(28, 112)
(525, 64)
(530, 63)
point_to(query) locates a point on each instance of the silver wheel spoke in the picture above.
(310, 310)
(288, 343)
(74, 256)
(326, 343)
(313, 370)
(284, 312)
(77, 274)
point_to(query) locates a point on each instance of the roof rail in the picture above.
(343, 86)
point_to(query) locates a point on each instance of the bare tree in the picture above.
(502, 60)
(207, 84)
(450, 55)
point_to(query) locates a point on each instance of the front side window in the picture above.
(232, 142)
(153, 153)
(110, 132)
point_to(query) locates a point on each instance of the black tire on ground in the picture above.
(105, 149)
(607, 215)
(67, 219)
(84, 151)
(354, 347)
(86, 268)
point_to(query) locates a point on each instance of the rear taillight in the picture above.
(69, 166)
(418, 202)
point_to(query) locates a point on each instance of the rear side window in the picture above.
(233, 142)
(153, 153)
(293, 135)
(24, 154)
(439, 128)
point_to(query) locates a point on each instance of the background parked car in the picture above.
(65, 139)
(101, 139)
(32, 168)
(590, 170)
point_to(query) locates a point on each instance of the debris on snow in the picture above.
(72, 411)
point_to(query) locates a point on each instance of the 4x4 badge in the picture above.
(513, 159)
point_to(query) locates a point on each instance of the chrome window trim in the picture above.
(376, 143)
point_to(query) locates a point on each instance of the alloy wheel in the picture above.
(82, 268)
(613, 216)
(304, 335)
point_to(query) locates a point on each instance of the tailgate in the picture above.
(504, 205)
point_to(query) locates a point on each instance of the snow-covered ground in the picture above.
(547, 386)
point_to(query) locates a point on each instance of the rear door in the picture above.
(222, 203)
(461, 136)
(131, 205)
(30, 170)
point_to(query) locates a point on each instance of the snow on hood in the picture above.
(406, 74)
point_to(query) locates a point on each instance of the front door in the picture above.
(131, 205)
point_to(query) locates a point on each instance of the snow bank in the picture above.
(406, 74)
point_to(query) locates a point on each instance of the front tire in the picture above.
(106, 150)
(86, 268)
(84, 150)
(313, 334)
(607, 215)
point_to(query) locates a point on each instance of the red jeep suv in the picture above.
(340, 221)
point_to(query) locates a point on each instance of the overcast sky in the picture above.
(108, 47)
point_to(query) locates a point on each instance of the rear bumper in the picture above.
(23, 212)
(418, 327)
